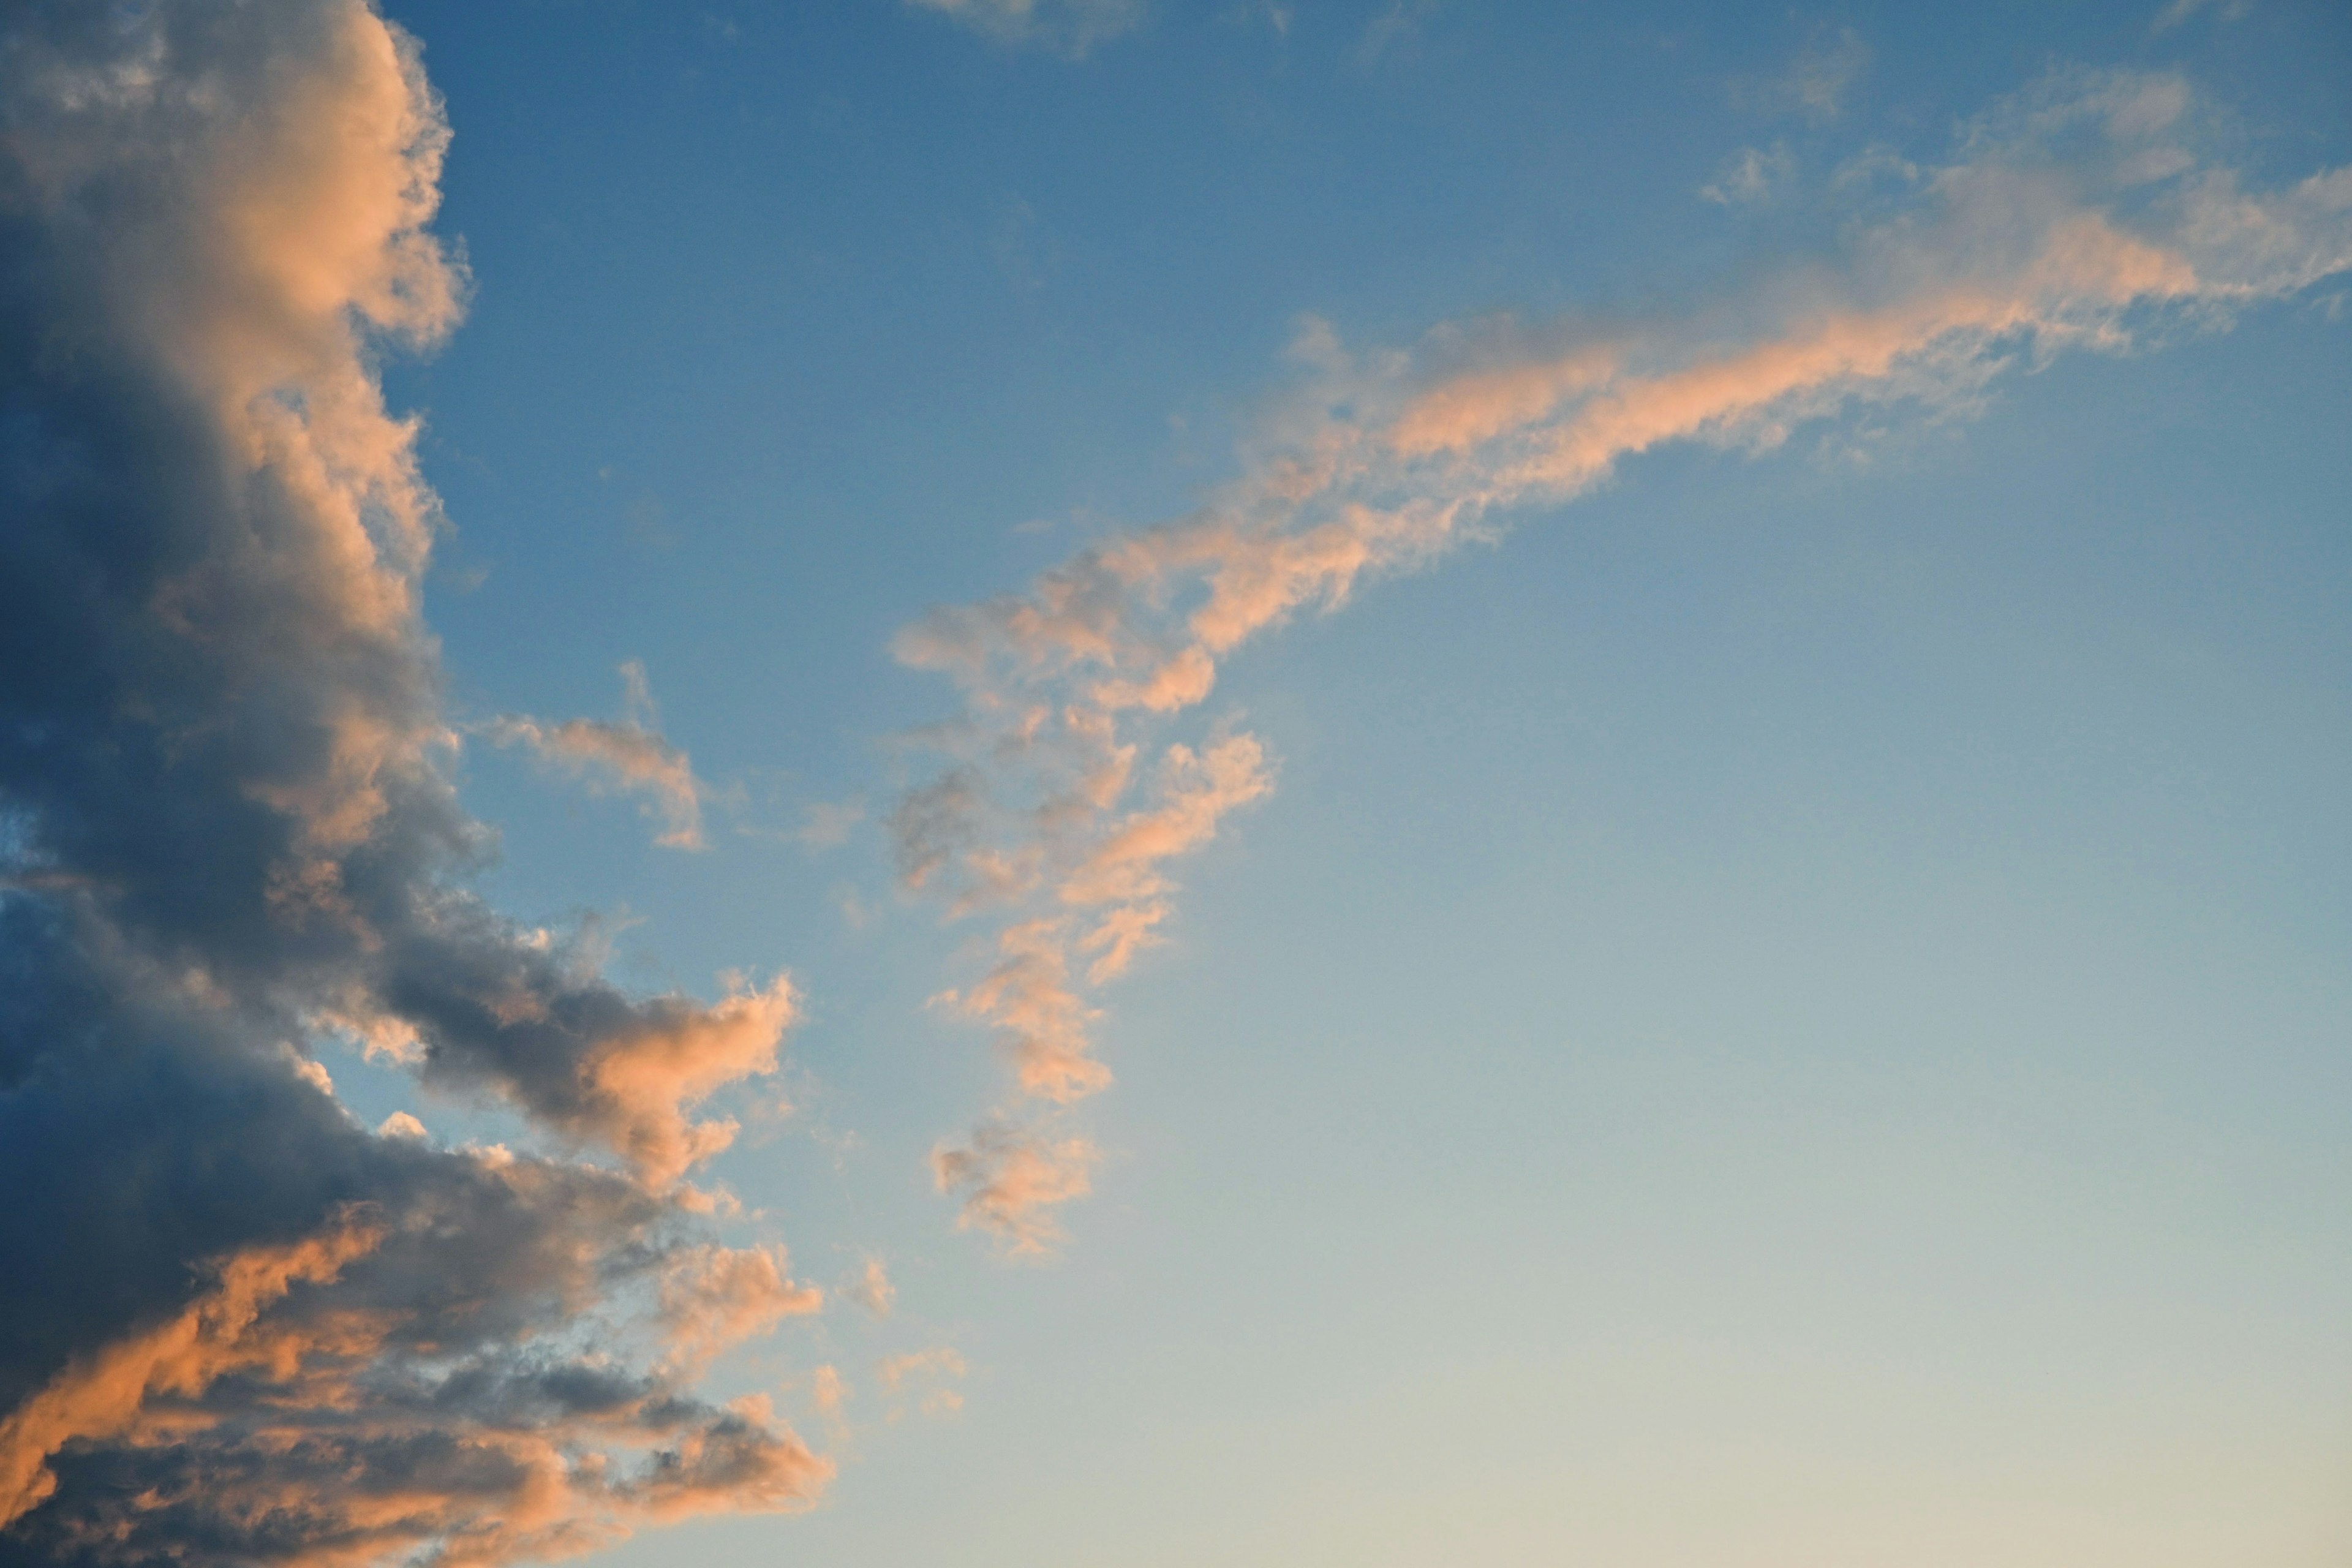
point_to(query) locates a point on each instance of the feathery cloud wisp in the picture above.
(1065, 26)
(630, 755)
(2085, 213)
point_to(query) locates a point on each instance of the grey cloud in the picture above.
(239, 1327)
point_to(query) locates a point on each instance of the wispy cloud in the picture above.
(873, 1290)
(2086, 214)
(1818, 80)
(1065, 27)
(239, 1325)
(827, 824)
(1010, 1179)
(629, 756)
(1751, 175)
(1397, 26)
(931, 1371)
(2180, 11)
(715, 1298)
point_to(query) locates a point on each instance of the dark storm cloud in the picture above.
(238, 1326)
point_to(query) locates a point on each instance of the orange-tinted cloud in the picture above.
(2075, 216)
(873, 1289)
(644, 1079)
(238, 1325)
(715, 1298)
(930, 1372)
(628, 754)
(1010, 1180)
(222, 1331)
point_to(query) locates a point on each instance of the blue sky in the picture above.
(1775, 997)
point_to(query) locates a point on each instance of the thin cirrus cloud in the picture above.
(930, 1371)
(239, 1326)
(873, 1289)
(2084, 214)
(1817, 81)
(1750, 176)
(1063, 27)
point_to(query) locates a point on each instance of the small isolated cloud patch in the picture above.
(1068, 27)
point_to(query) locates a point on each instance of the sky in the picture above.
(1107, 782)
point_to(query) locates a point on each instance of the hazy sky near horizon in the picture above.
(1110, 783)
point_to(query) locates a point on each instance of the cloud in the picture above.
(1397, 25)
(828, 1391)
(2086, 214)
(715, 1298)
(240, 1327)
(825, 824)
(1011, 1178)
(401, 1124)
(873, 1290)
(1750, 176)
(933, 1368)
(1063, 27)
(2180, 11)
(630, 755)
(1817, 80)
(222, 1331)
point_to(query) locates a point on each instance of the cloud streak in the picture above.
(1069, 28)
(629, 756)
(2085, 213)
(240, 1327)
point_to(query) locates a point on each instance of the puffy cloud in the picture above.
(2087, 213)
(221, 1332)
(240, 1327)
(715, 1298)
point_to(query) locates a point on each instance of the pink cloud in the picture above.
(2011, 253)
(629, 756)
(1010, 1180)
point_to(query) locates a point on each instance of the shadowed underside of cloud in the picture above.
(2085, 213)
(238, 1326)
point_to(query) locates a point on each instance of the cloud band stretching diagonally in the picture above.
(239, 1327)
(2084, 214)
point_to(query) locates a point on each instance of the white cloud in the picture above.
(1750, 176)
(1065, 27)
(1817, 81)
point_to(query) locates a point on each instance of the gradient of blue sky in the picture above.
(1790, 1010)
(1793, 1012)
